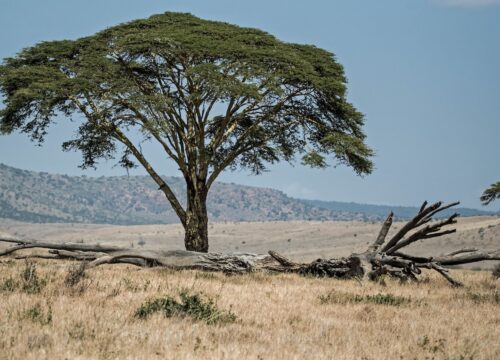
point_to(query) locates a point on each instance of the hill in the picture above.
(40, 197)
(132, 200)
(381, 211)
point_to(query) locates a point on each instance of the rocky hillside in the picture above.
(41, 197)
(134, 200)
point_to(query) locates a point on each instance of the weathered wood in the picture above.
(383, 232)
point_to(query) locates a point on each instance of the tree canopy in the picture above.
(211, 94)
(490, 194)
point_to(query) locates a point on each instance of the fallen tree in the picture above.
(381, 258)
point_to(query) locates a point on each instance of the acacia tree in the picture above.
(212, 95)
(490, 194)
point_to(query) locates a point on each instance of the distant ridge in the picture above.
(400, 212)
(41, 197)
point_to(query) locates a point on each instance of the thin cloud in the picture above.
(467, 3)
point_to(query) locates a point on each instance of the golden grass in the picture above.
(278, 317)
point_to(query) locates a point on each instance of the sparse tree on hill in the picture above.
(211, 95)
(490, 194)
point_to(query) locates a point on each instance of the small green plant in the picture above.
(378, 299)
(30, 281)
(481, 298)
(385, 299)
(37, 314)
(77, 331)
(194, 305)
(9, 285)
(433, 347)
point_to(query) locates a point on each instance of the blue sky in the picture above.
(426, 73)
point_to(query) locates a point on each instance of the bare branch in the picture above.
(410, 225)
(424, 233)
(472, 257)
(461, 251)
(382, 234)
(443, 272)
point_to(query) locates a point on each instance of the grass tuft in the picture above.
(76, 274)
(377, 299)
(30, 281)
(496, 272)
(36, 313)
(9, 285)
(481, 298)
(194, 305)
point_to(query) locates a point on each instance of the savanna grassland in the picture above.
(263, 316)
(50, 309)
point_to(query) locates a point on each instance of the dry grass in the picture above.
(277, 316)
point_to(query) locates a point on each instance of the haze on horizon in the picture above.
(424, 73)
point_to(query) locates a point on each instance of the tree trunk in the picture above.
(196, 225)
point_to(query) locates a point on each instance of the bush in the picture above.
(378, 299)
(480, 298)
(195, 306)
(37, 314)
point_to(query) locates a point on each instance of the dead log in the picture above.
(381, 257)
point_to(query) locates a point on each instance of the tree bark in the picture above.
(196, 225)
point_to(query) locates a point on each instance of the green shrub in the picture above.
(194, 305)
(385, 299)
(37, 314)
(480, 298)
(378, 299)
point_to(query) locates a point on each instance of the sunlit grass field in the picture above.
(262, 316)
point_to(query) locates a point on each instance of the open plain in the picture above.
(300, 240)
(275, 316)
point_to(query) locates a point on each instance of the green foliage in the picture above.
(37, 313)
(194, 305)
(432, 346)
(213, 95)
(385, 299)
(437, 349)
(165, 74)
(9, 285)
(313, 159)
(481, 298)
(491, 194)
(377, 299)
